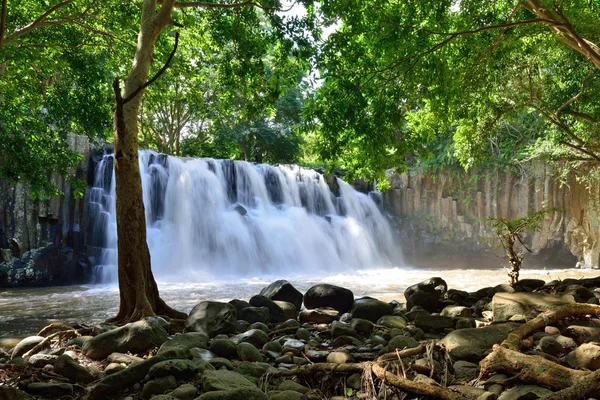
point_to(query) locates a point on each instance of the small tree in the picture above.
(511, 231)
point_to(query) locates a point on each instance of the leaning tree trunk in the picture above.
(138, 290)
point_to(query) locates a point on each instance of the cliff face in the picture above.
(450, 210)
(41, 240)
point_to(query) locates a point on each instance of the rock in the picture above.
(433, 322)
(583, 334)
(287, 395)
(41, 360)
(303, 334)
(475, 343)
(530, 284)
(177, 368)
(50, 389)
(361, 326)
(319, 315)
(507, 305)
(12, 393)
(465, 371)
(290, 323)
(273, 346)
(247, 352)
(223, 348)
(339, 357)
(282, 290)
(401, 342)
(275, 312)
(549, 345)
(159, 386)
(525, 392)
(342, 341)
(25, 345)
(113, 368)
(325, 295)
(186, 391)
(289, 310)
(219, 363)
(585, 356)
(260, 326)
(435, 286)
(370, 309)
(292, 385)
(235, 394)
(580, 293)
(135, 337)
(392, 321)
(239, 304)
(78, 341)
(185, 341)
(212, 318)
(339, 329)
(72, 370)
(354, 381)
(255, 314)
(255, 337)
(427, 300)
(202, 354)
(124, 358)
(254, 370)
(463, 323)
(468, 392)
(456, 311)
(224, 380)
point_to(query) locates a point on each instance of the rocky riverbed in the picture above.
(531, 340)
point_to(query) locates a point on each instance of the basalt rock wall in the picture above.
(42, 240)
(447, 211)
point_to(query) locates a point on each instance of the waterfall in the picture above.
(210, 218)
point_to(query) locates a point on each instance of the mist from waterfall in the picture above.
(221, 219)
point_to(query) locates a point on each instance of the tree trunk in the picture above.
(138, 290)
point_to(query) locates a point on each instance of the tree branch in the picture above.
(578, 95)
(204, 4)
(3, 21)
(39, 21)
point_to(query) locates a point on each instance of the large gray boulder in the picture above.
(282, 290)
(275, 312)
(326, 295)
(436, 286)
(72, 370)
(25, 345)
(475, 343)
(211, 318)
(507, 305)
(136, 337)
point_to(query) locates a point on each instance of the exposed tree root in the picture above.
(588, 384)
(419, 388)
(395, 355)
(530, 369)
(46, 342)
(54, 326)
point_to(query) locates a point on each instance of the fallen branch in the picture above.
(393, 356)
(54, 326)
(588, 384)
(46, 342)
(419, 388)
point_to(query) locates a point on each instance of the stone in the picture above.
(177, 368)
(361, 326)
(273, 346)
(41, 360)
(260, 326)
(239, 304)
(462, 323)
(326, 295)
(525, 392)
(211, 318)
(282, 290)
(12, 393)
(354, 381)
(287, 395)
(303, 334)
(433, 322)
(339, 357)
(319, 315)
(475, 343)
(224, 380)
(160, 385)
(583, 334)
(50, 389)
(530, 284)
(427, 300)
(235, 394)
(185, 341)
(136, 337)
(123, 358)
(255, 337)
(339, 329)
(255, 314)
(247, 352)
(435, 286)
(550, 345)
(289, 310)
(456, 312)
(343, 341)
(371, 309)
(585, 356)
(186, 391)
(113, 368)
(223, 348)
(401, 342)
(220, 362)
(468, 392)
(25, 345)
(507, 305)
(275, 312)
(290, 323)
(580, 293)
(392, 321)
(465, 371)
(72, 370)
(293, 386)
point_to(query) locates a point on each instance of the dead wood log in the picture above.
(530, 369)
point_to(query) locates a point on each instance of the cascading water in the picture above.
(211, 218)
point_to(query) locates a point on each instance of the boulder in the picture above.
(224, 380)
(371, 309)
(292, 385)
(465, 371)
(255, 337)
(135, 337)
(585, 356)
(392, 321)
(282, 290)
(339, 329)
(235, 394)
(319, 315)
(211, 318)
(401, 342)
(239, 304)
(25, 345)
(255, 314)
(435, 286)
(583, 334)
(362, 326)
(456, 312)
(176, 367)
(41, 360)
(426, 300)
(72, 370)
(185, 341)
(275, 312)
(433, 322)
(326, 295)
(289, 310)
(223, 348)
(247, 352)
(475, 343)
(507, 305)
(187, 391)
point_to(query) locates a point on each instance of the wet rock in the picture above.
(465, 371)
(427, 300)
(25, 345)
(342, 341)
(12, 393)
(160, 385)
(286, 395)
(319, 315)
(463, 323)
(585, 356)
(247, 352)
(292, 385)
(113, 368)
(273, 346)
(212, 318)
(435, 286)
(220, 362)
(507, 305)
(433, 322)
(549, 345)
(186, 391)
(255, 314)
(326, 295)
(361, 326)
(224, 380)
(580, 293)
(202, 354)
(371, 309)
(392, 321)
(135, 337)
(293, 344)
(282, 290)
(317, 355)
(185, 341)
(177, 368)
(290, 323)
(475, 343)
(289, 310)
(124, 358)
(223, 348)
(40, 360)
(255, 337)
(239, 304)
(456, 311)
(78, 341)
(525, 392)
(583, 334)
(72, 370)
(275, 312)
(339, 329)
(401, 342)
(250, 393)
(303, 334)
(339, 357)
(49, 389)
(530, 284)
